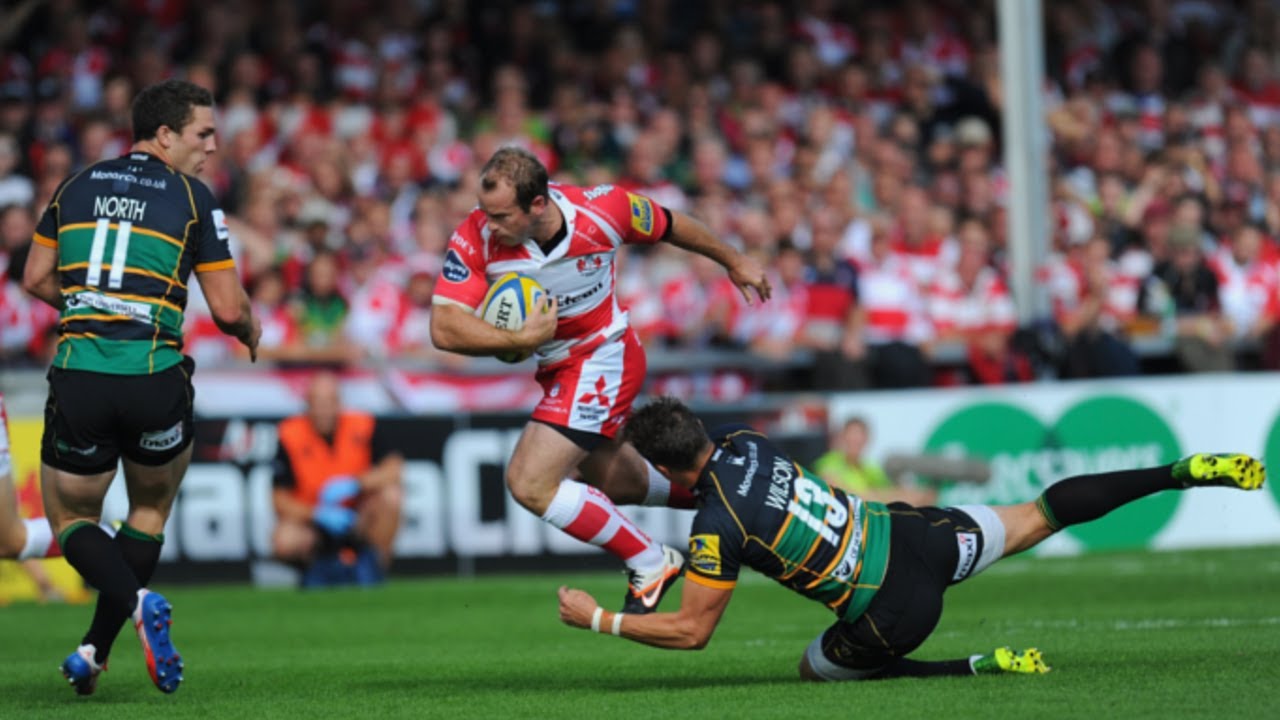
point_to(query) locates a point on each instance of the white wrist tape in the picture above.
(617, 624)
(595, 619)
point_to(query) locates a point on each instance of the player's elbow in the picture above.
(33, 279)
(229, 307)
(444, 335)
(440, 336)
(229, 315)
(694, 637)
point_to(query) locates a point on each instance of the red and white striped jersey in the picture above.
(579, 271)
(1068, 288)
(928, 258)
(893, 303)
(985, 306)
(1246, 293)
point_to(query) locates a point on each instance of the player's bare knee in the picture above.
(806, 671)
(531, 492)
(1025, 526)
(13, 539)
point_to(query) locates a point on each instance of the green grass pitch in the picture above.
(1133, 635)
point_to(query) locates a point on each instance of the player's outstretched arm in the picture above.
(230, 306)
(456, 328)
(689, 628)
(746, 272)
(40, 276)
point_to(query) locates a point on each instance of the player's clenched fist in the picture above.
(576, 607)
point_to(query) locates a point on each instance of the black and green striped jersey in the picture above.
(128, 232)
(757, 507)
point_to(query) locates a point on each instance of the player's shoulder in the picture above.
(730, 433)
(466, 245)
(605, 196)
(191, 186)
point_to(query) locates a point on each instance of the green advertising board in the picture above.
(1028, 453)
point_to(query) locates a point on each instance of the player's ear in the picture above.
(164, 136)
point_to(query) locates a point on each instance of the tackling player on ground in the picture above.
(590, 362)
(882, 569)
(113, 253)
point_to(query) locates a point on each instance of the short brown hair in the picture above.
(169, 103)
(519, 167)
(666, 432)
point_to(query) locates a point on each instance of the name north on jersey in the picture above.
(580, 271)
(122, 208)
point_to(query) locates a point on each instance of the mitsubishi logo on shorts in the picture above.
(598, 397)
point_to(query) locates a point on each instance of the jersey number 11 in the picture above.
(99, 248)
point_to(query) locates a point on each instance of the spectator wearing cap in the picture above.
(1182, 293)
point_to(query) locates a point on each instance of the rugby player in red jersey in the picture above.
(590, 362)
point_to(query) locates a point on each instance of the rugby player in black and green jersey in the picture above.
(114, 253)
(882, 569)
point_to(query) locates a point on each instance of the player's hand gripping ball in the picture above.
(509, 301)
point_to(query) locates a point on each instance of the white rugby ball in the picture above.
(509, 301)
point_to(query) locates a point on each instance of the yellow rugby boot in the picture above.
(1227, 469)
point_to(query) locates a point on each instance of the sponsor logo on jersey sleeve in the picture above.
(641, 214)
(220, 225)
(460, 240)
(454, 269)
(704, 554)
(598, 191)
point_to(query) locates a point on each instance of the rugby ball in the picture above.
(509, 301)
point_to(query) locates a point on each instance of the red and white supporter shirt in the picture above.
(579, 271)
(895, 310)
(1247, 292)
(986, 305)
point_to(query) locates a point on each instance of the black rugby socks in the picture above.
(99, 561)
(142, 553)
(1083, 498)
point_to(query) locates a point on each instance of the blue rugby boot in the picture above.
(81, 670)
(152, 619)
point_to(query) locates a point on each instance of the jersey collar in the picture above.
(142, 156)
(570, 214)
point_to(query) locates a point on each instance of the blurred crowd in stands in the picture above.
(854, 146)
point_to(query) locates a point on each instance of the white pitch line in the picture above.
(1142, 624)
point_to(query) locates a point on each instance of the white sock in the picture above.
(659, 493)
(39, 539)
(585, 513)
